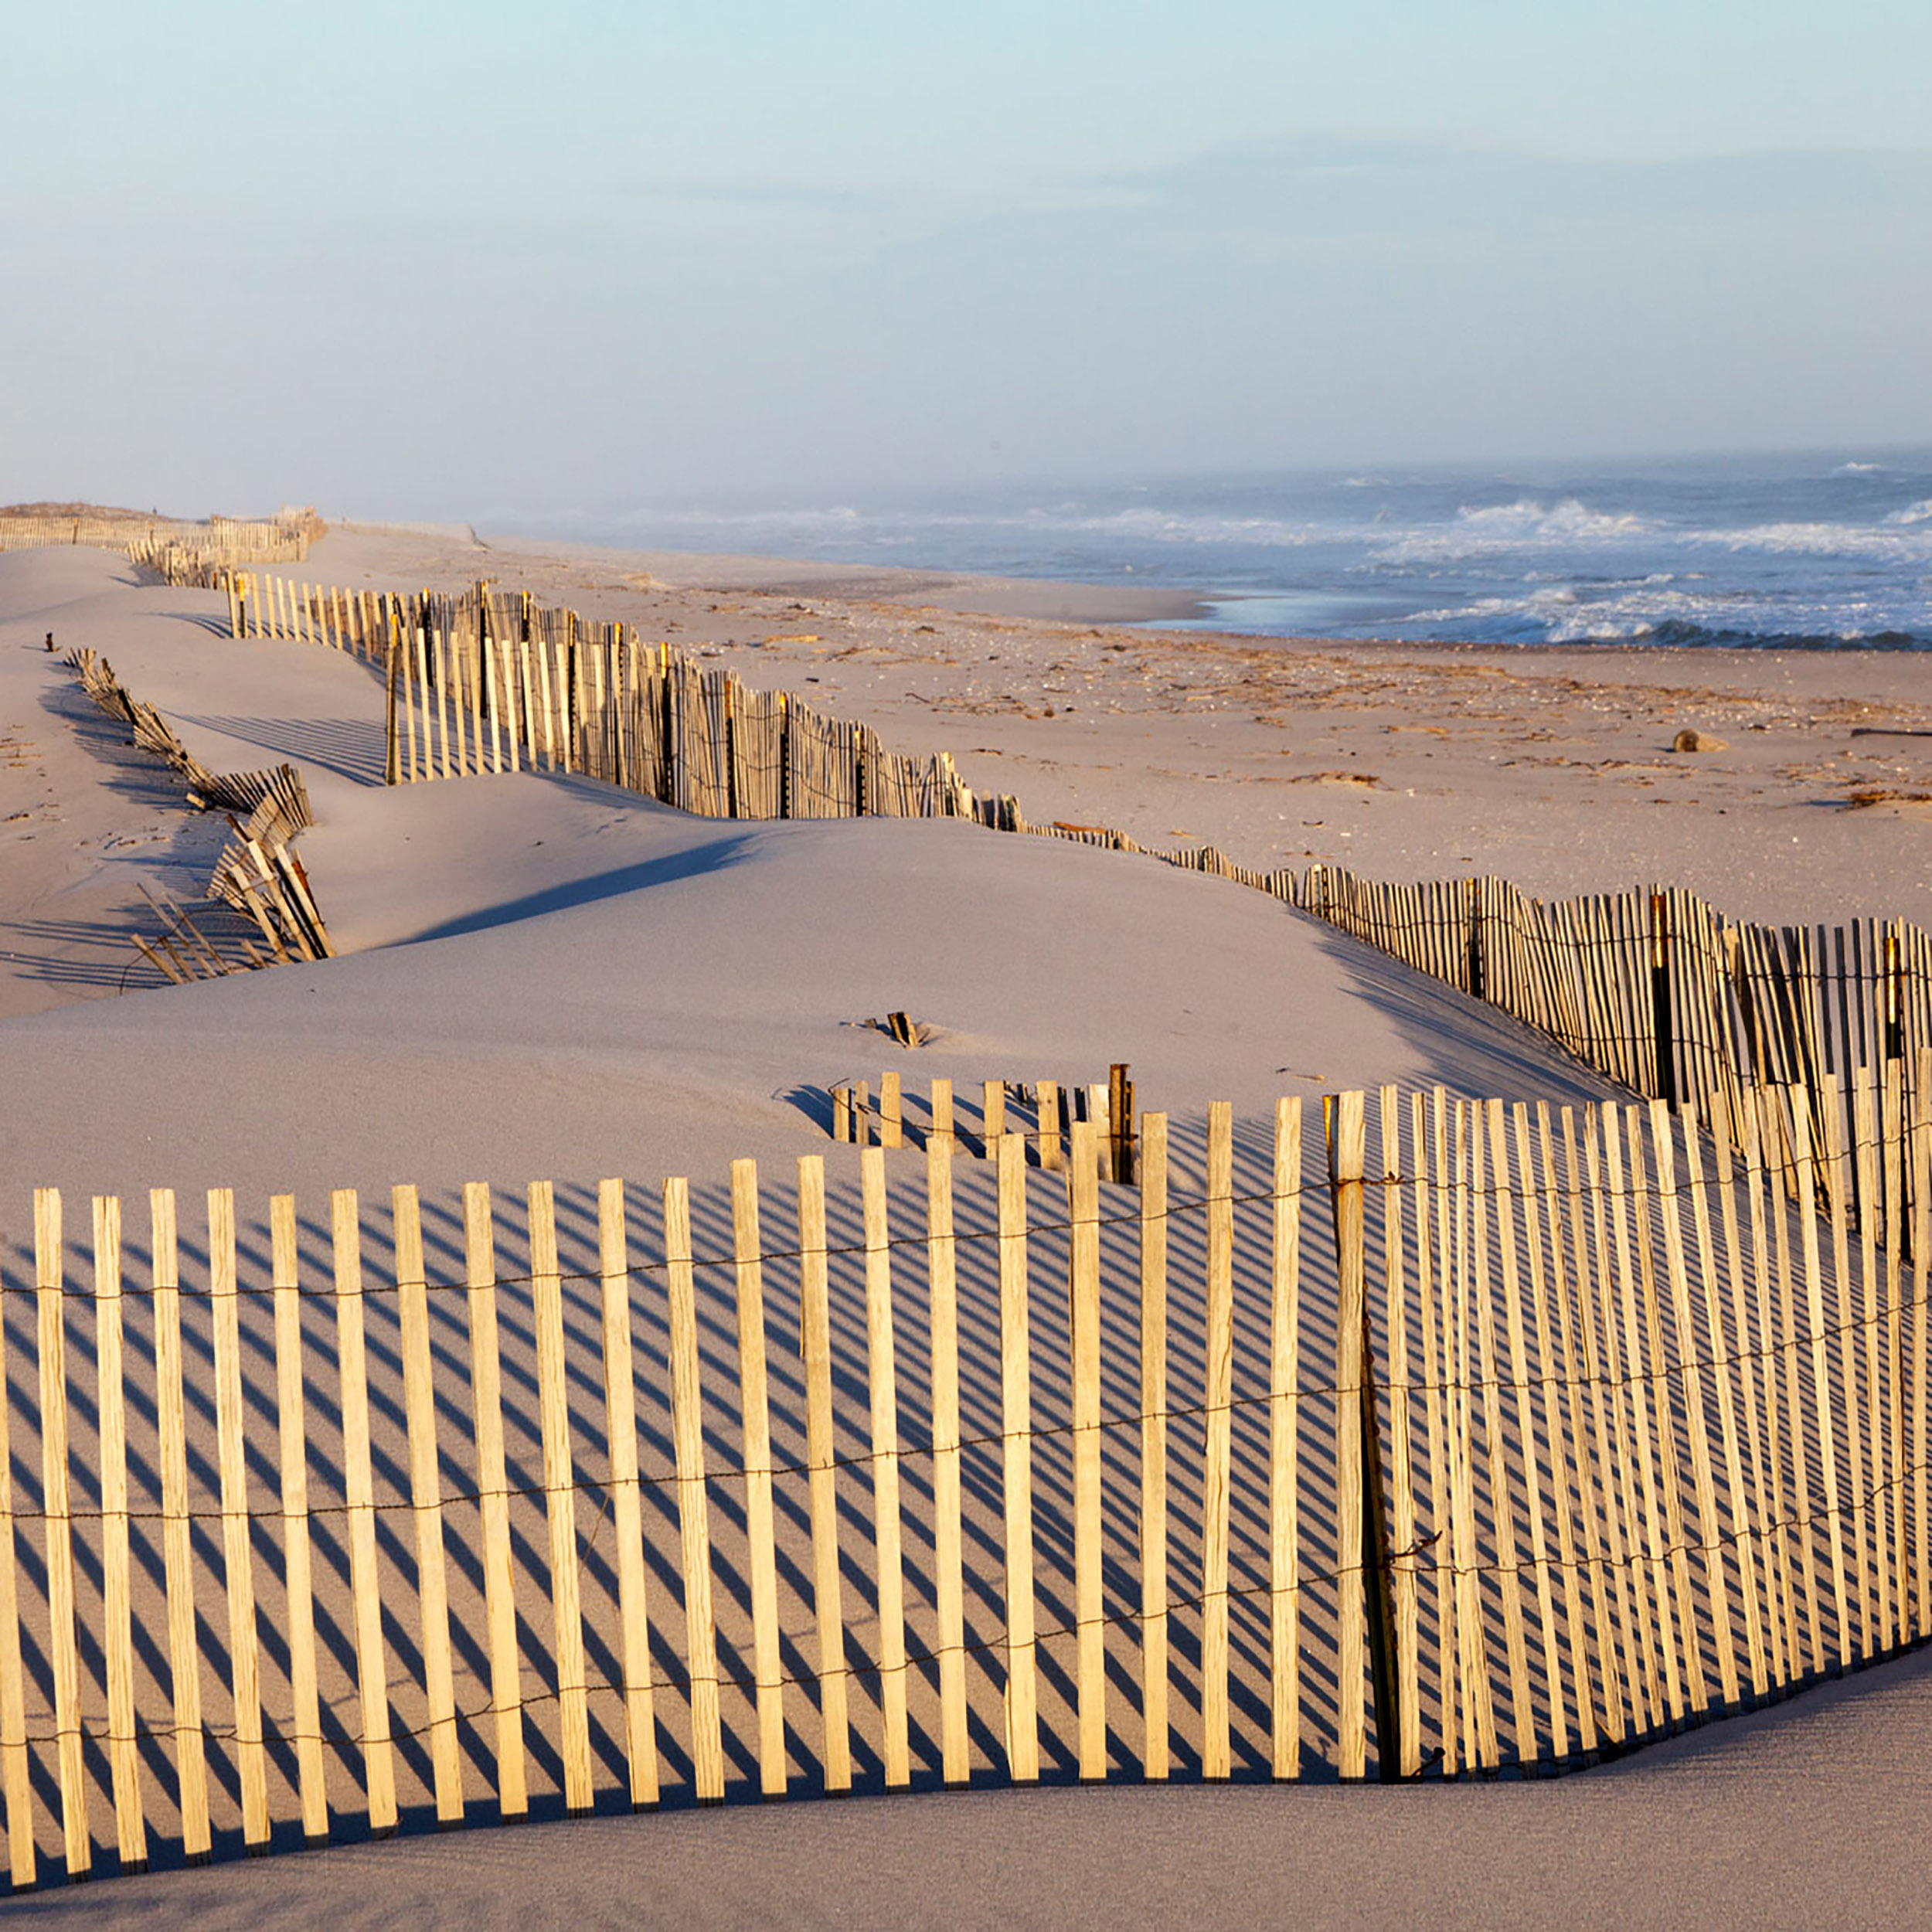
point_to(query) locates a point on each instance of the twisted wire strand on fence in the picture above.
(1369, 1389)
(1302, 1582)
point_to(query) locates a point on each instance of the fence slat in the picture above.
(130, 1827)
(244, 1657)
(1429, 1270)
(947, 1556)
(1022, 1721)
(297, 1562)
(1872, 1517)
(1562, 1367)
(754, 1407)
(1838, 1172)
(1495, 1452)
(1736, 1508)
(1524, 1433)
(1155, 1750)
(1216, 1755)
(1555, 1437)
(184, 1648)
(426, 1501)
(1284, 1424)
(815, 1344)
(1352, 1371)
(1407, 1747)
(560, 1499)
(492, 1483)
(1090, 1650)
(15, 1766)
(687, 1407)
(1809, 1181)
(49, 1267)
(880, 1382)
(1716, 1592)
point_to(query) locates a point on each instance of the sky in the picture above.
(462, 261)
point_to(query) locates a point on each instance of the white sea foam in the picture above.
(1525, 524)
(1894, 542)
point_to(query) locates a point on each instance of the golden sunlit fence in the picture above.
(1654, 987)
(1438, 1437)
(181, 553)
(485, 682)
(1661, 991)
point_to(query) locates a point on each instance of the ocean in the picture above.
(1807, 550)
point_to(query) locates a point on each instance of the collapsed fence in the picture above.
(1548, 1435)
(256, 874)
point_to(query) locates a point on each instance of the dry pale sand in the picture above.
(552, 978)
(1810, 1814)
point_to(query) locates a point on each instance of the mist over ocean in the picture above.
(1819, 550)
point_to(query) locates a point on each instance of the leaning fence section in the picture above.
(1436, 1437)
(485, 682)
(257, 874)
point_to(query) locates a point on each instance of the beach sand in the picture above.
(546, 977)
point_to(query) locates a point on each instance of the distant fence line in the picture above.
(182, 553)
(486, 682)
(1654, 988)
(1554, 1434)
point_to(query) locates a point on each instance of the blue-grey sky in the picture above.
(461, 260)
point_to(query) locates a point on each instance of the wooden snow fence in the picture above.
(1655, 988)
(256, 873)
(486, 682)
(1043, 1117)
(1435, 1438)
(179, 553)
(1662, 992)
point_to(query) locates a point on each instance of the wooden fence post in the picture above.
(1120, 1121)
(1216, 1469)
(1662, 1021)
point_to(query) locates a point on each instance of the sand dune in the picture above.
(546, 977)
